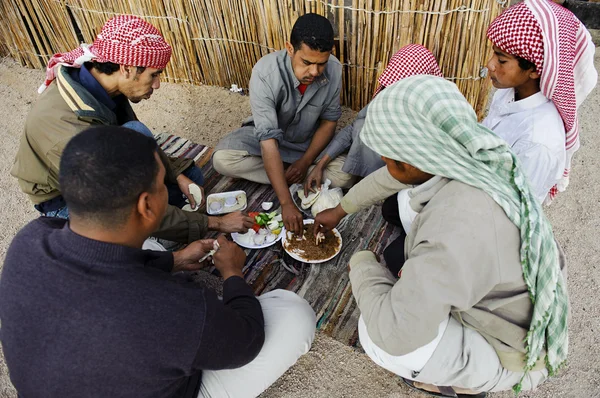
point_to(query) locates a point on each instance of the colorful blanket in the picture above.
(325, 286)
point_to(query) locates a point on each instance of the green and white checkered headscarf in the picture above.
(425, 121)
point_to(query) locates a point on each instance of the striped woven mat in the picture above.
(325, 286)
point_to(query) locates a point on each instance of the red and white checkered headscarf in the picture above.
(123, 40)
(562, 50)
(410, 60)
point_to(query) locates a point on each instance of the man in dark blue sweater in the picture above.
(86, 313)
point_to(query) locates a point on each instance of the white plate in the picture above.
(301, 259)
(236, 239)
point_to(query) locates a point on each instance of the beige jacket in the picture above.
(374, 188)
(462, 259)
(63, 110)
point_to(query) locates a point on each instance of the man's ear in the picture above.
(534, 75)
(126, 70)
(145, 209)
(289, 48)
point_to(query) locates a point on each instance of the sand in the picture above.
(331, 369)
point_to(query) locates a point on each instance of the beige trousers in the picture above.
(462, 358)
(289, 332)
(240, 164)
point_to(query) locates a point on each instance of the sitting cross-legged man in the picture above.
(481, 304)
(86, 312)
(410, 60)
(295, 101)
(95, 85)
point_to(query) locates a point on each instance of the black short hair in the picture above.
(524, 64)
(313, 30)
(104, 170)
(108, 68)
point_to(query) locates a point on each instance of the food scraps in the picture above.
(310, 249)
(266, 229)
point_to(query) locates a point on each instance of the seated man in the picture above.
(361, 161)
(86, 312)
(295, 100)
(543, 66)
(481, 304)
(94, 85)
(410, 60)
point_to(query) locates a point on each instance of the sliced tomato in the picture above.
(253, 214)
(256, 227)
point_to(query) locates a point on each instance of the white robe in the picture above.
(534, 130)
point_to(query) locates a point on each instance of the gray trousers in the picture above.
(241, 164)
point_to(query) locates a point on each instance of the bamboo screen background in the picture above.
(216, 42)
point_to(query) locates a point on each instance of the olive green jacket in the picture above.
(63, 110)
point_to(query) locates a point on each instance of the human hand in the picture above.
(229, 259)
(328, 219)
(187, 259)
(315, 177)
(296, 171)
(364, 255)
(234, 222)
(292, 218)
(184, 185)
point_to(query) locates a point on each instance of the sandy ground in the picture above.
(330, 369)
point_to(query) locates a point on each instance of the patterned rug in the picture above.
(325, 286)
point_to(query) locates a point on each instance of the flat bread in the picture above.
(196, 193)
(308, 201)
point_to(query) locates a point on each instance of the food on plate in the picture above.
(328, 199)
(270, 238)
(266, 229)
(266, 206)
(271, 221)
(307, 201)
(306, 247)
(259, 239)
(248, 237)
(230, 201)
(216, 206)
(324, 198)
(319, 238)
(226, 202)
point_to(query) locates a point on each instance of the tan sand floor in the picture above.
(330, 369)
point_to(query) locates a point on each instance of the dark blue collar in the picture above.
(89, 82)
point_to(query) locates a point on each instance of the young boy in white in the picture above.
(543, 66)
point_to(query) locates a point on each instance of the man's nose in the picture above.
(156, 83)
(491, 65)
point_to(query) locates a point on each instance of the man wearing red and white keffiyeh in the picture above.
(555, 58)
(95, 85)
(410, 60)
(123, 40)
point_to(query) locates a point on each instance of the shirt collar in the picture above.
(531, 102)
(89, 82)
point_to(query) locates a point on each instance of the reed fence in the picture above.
(216, 42)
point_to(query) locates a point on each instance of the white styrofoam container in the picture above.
(239, 196)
